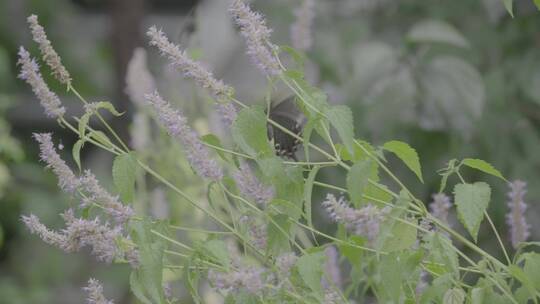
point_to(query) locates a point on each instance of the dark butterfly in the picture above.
(289, 116)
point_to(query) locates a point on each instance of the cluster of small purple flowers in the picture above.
(364, 222)
(83, 232)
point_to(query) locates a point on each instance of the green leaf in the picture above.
(123, 172)
(508, 5)
(477, 295)
(278, 234)
(522, 277)
(83, 122)
(249, 132)
(310, 269)
(297, 56)
(532, 268)
(352, 253)
(537, 3)
(402, 236)
(435, 31)
(217, 249)
(454, 296)
(294, 211)
(308, 190)
(395, 270)
(442, 256)
(101, 137)
(483, 166)
(213, 140)
(407, 154)
(472, 201)
(341, 119)
(107, 106)
(76, 152)
(147, 280)
(357, 180)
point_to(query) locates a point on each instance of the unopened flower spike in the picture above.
(257, 36)
(519, 229)
(67, 180)
(30, 73)
(191, 69)
(48, 53)
(176, 125)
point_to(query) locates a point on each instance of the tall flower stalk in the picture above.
(50, 56)
(257, 36)
(30, 73)
(519, 229)
(176, 125)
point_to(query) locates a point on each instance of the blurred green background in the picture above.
(455, 79)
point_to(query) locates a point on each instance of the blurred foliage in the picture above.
(452, 78)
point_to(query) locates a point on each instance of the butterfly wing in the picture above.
(287, 115)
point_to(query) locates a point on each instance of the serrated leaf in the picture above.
(310, 269)
(146, 281)
(83, 122)
(308, 190)
(477, 295)
(297, 56)
(217, 249)
(249, 132)
(341, 119)
(107, 106)
(394, 271)
(520, 275)
(508, 5)
(532, 268)
(352, 253)
(101, 137)
(442, 255)
(454, 296)
(472, 201)
(483, 166)
(435, 31)
(402, 236)
(123, 172)
(357, 180)
(76, 152)
(407, 154)
(278, 234)
(213, 140)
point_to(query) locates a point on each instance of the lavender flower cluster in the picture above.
(364, 222)
(82, 232)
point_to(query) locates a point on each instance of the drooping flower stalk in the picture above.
(95, 293)
(79, 233)
(67, 180)
(250, 187)
(191, 69)
(50, 237)
(364, 222)
(176, 125)
(48, 53)
(257, 36)
(301, 34)
(519, 229)
(30, 73)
